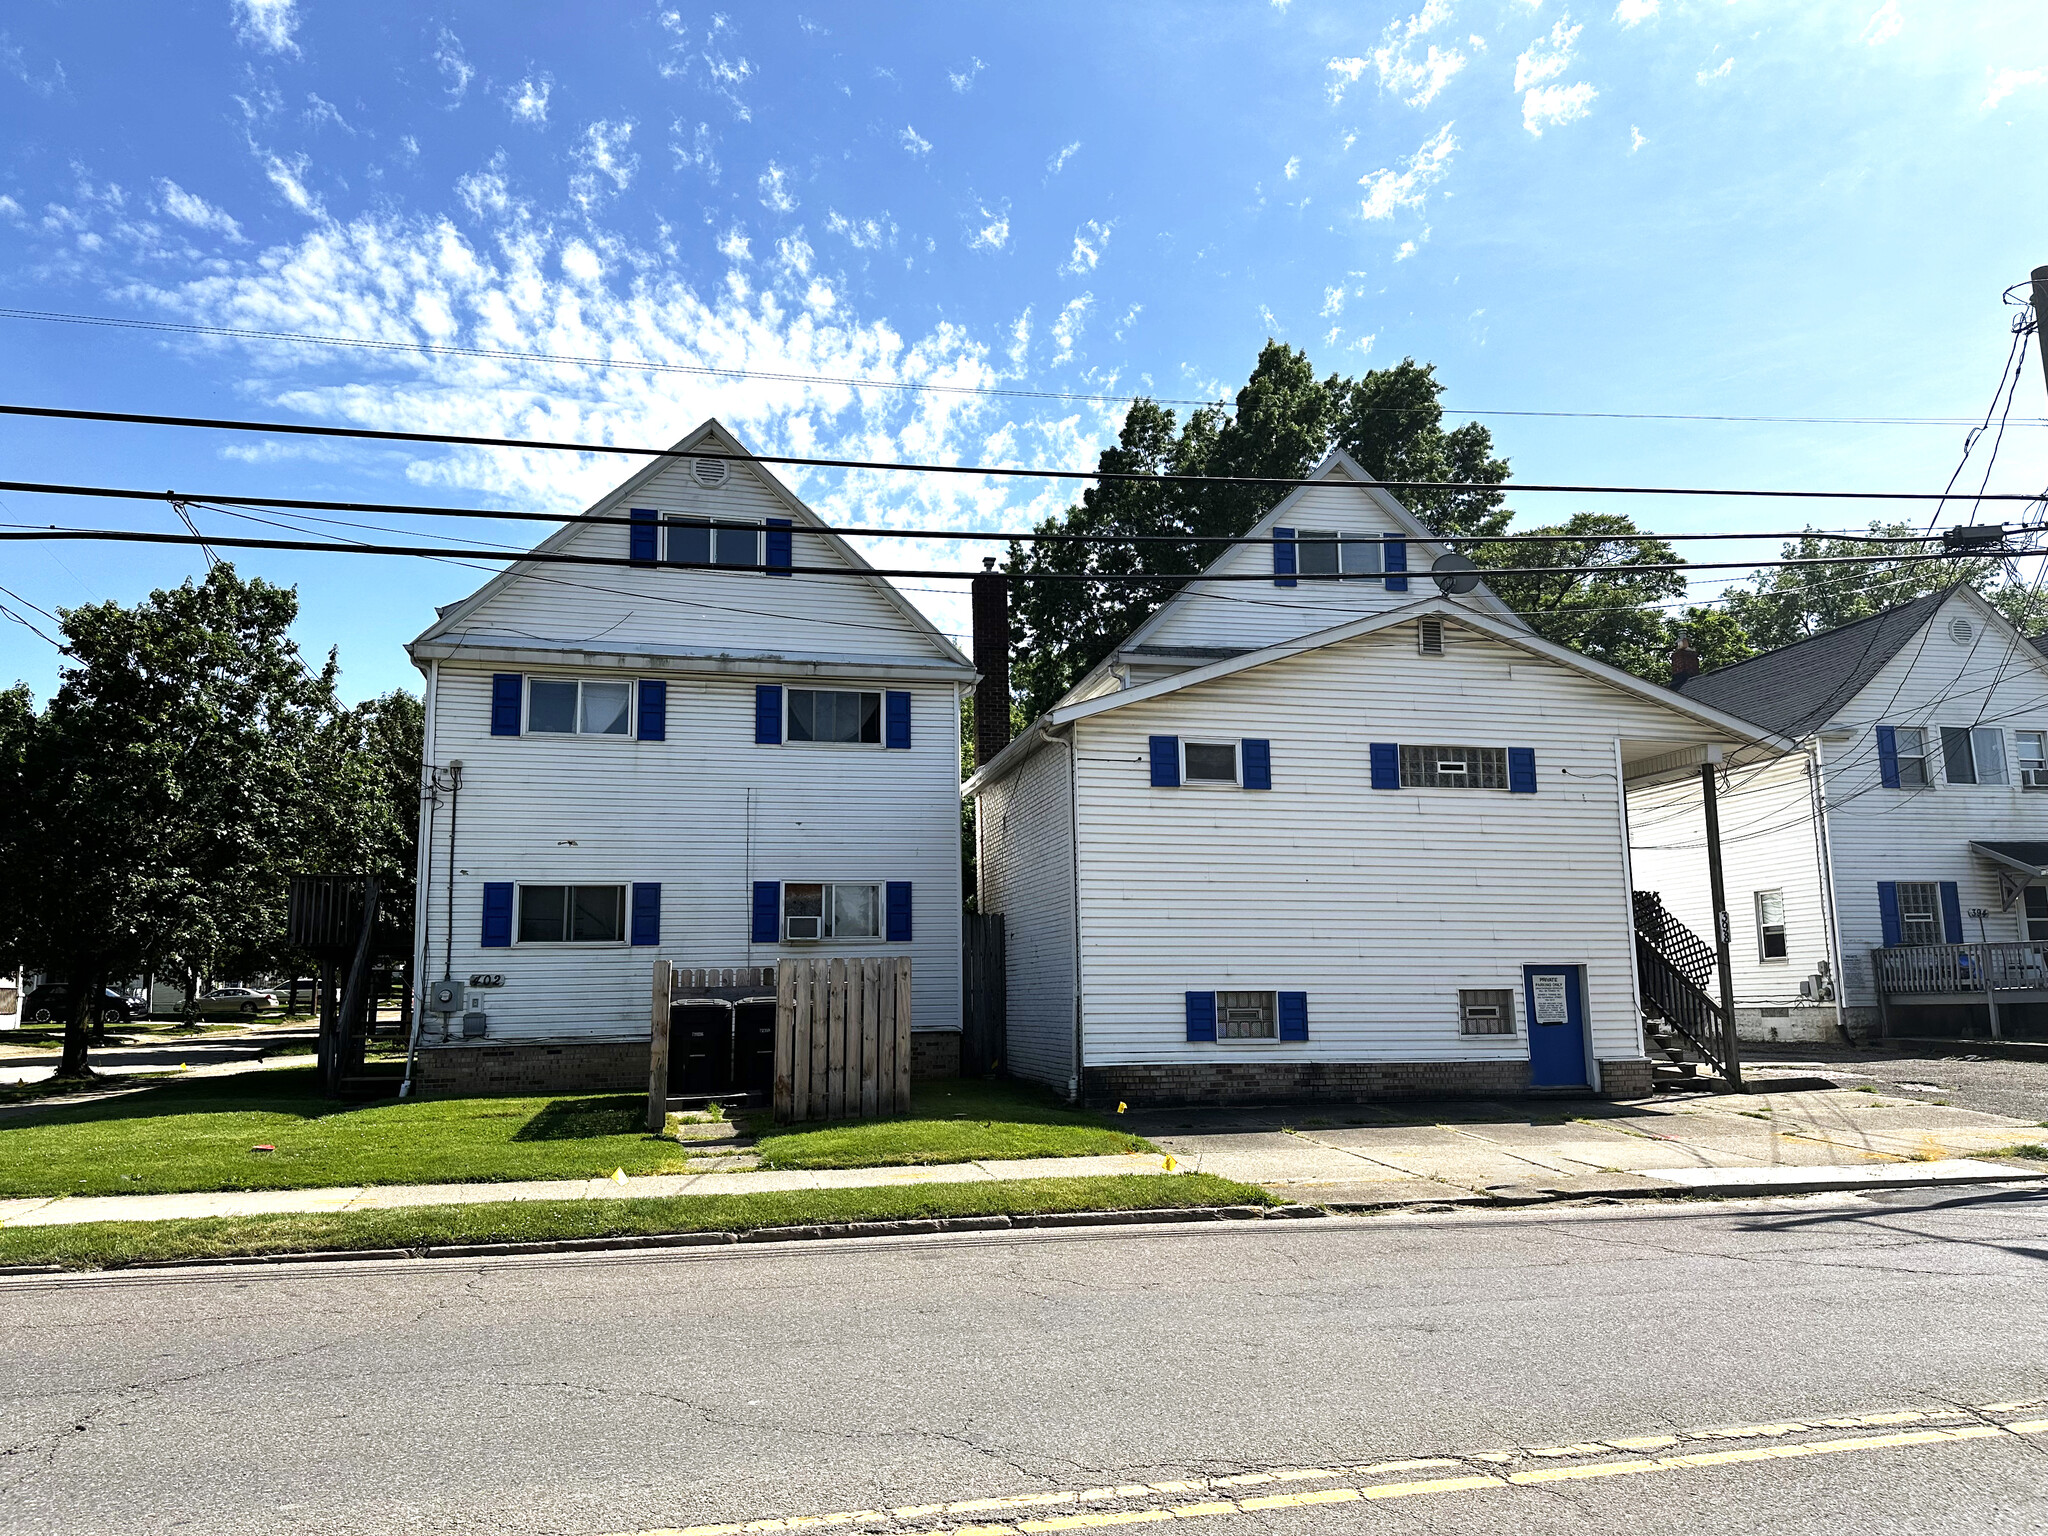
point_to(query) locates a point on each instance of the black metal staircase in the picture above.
(1684, 1028)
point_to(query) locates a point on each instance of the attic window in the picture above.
(1320, 554)
(1429, 637)
(1961, 631)
(710, 472)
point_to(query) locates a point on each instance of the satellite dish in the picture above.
(1455, 575)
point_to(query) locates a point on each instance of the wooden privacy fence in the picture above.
(842, 1038)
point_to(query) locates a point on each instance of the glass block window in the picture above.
(1454, 767)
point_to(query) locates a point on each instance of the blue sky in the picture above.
(1694, 206)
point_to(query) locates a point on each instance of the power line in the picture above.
(17, 534)
(908, 386)
(979, 471)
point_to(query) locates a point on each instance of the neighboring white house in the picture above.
(719, 767)
(1912, 822)
(1303, 836)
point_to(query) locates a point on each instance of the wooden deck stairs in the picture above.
(1684, 1032)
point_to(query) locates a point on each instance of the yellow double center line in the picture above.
(1223, 1499)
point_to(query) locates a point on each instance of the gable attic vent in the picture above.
(1429, 636)
(711, 472)
(1960, 631)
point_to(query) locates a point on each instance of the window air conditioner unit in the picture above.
(798, 929)
(2034, 778)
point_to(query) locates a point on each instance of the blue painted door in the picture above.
(1556, 1011)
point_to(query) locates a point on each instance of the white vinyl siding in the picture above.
(1024, 833)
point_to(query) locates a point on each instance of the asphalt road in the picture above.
(623, 1393)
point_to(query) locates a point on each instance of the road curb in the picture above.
(824, 1231)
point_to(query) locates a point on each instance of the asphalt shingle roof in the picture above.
(1797, 688)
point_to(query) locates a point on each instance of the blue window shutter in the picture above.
(1165, 762)
(896, 721)
(653, 709)
(1951, 912)
(896, 903)
(1258, 763)
(1888, 910)
(1283, 557)
(1396, 550)
(768, 714)
(646, 913)
(1888, 756)
(779, 543)
(1293, 1015)
(1386, 765)
(767, 911)
(1521, 770)
(643, 537)
(508, 696)
(1201, 1015)
(497, 914)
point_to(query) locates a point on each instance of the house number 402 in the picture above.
(487, 981)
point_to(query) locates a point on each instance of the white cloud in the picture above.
(1547, 106)
(9, 208)
(1067, 328)
(1632, 13)
(726, 74)
(734, 246)
(1090, 240)
(1292, 168)
(914, 141)
(454, 67)
(1407, 249)
(695, 154)
(1130, 319)
(320, 111)
(267, 24)
(994, 234)
(1885, 24)
(1417, 81)
(1345, 73)
(1333, 300)
(1387, 191)
(2006, 81)
(862, 234)
(774, 188)
(1059, 161)
(1547, 57)
(528, 100)
(1635, 138)
(602, 158)
(1020, 339)
(963, 82)
(1718, 72)
(288, 177)
(190, 208)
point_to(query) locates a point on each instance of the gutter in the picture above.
(499, 650)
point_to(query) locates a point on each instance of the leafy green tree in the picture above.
(1608, 613)
(1285, 420)
(159, 799)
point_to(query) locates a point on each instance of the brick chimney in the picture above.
(1685, 662)
(992, 661)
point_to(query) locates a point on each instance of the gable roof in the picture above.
(714, 436)
(1798, 688)
(1516, 634)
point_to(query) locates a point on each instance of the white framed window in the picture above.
(2031, 748)
(712, 541)
(572, 914)
(1919, 912)
(578, 706)
(1770, 925)
(1247, 1015)
(1454, 767)
(835, 716)
(2036, 898)
(1973, 755)
(831, 910)
(1319, 553)
(1209, 762)
(1911, 744)
(1486, 1011)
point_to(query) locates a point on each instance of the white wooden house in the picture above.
(1330, 832)
(1866, 872)
(716, 766)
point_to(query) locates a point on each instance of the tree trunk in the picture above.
(74, 1063)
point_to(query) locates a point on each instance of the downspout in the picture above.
(1824, 857)
(1074, 864)
(1628, 912)
(423, 877)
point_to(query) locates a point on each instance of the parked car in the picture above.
(243, 1000)
(51, 1004)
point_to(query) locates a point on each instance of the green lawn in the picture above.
(951, 1121)
(198, 1134)
(92, 1245)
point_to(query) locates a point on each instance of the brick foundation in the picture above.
(1627, 1078)
(483, 1069)
(934, 1053)
(1301, 1082)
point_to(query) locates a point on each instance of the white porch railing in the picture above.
(1911, 970)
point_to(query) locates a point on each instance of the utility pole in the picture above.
(1723, 934)
(2040, 276)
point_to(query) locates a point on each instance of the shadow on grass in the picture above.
(579, 1119)
(289, 1091)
